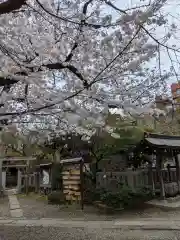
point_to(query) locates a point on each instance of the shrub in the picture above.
(126, 197)
(98, 193)
(56, 197)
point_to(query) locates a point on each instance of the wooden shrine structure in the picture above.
(19, 165)
(162, 146)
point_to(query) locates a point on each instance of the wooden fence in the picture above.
(31, 182)
(110, 180)
(34, 182)
(134, 179)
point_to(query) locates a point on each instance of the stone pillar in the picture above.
(19, 181)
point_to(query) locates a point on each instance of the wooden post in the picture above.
(36, 182)
(82, 183)
(27, 178)
(152, 178)
(1, 187)
(177, 172)
(19, 181)
(4, 179)
(159, 170)
(51, 178)
(169, 173)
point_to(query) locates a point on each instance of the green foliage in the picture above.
(125, 198)
(98, 193)
(56, 197)
(105, 144)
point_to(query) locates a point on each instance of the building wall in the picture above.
(175, 91)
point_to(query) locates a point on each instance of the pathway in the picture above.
(15, 209)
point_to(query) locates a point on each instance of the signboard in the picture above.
(45, 177)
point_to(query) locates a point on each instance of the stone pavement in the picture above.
(4, 207)
(15, 209)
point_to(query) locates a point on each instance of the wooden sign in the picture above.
(71, 184)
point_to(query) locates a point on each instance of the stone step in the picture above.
(14, 206)
(16, 213)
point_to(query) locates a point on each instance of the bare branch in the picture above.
(74, 70)
(95, 26)
(113, 6)
(138, 7)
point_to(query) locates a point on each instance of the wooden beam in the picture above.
(71, 160)
(13, 166)
(18, 159)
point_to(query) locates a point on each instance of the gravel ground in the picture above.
(33, 208)
(4, 207)
(48, 233)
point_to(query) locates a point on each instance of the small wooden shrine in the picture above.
(162, 146)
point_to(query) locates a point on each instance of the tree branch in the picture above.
(7, 81)
(113, 6)
(71, 68)
(141, 25)
(95, 26)
(11, 5)
(70, 55)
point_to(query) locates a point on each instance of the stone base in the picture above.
(173, 199)
(171, 189)
(165, 204)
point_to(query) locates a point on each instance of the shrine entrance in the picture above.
(11, 177)
(162, 147)
(12, 168)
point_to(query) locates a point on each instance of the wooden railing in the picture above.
(134, 179)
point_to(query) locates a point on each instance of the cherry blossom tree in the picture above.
(66, 63)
